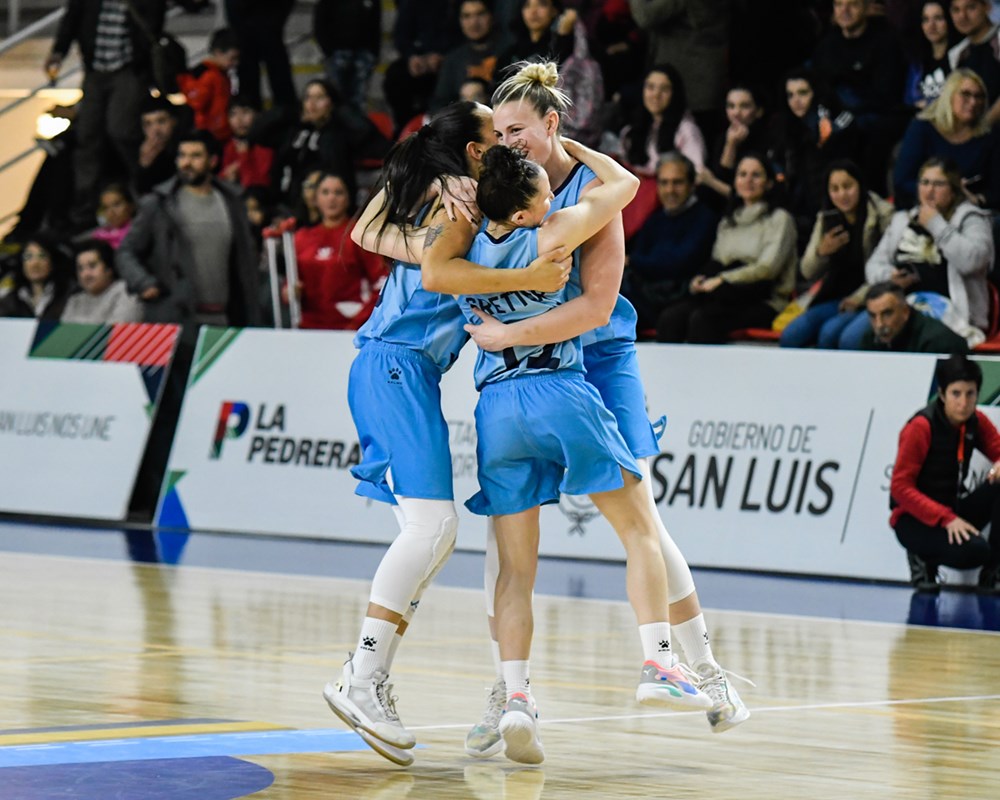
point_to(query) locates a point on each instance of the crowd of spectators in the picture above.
(152, 205)
(792, 155)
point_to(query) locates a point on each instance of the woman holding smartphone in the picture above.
(848, 227)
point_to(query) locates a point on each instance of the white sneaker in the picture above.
(484, 740)
(519, 728)
(367, 704)
(395, 754)
(674, 687)
(728, 710)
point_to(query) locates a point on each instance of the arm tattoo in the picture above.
(432, 234)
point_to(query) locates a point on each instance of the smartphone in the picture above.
(832, 218)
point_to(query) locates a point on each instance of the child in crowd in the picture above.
(207, 87)
(115, 215)
(243, 162)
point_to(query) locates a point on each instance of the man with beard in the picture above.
(189, 254)
(190, 257)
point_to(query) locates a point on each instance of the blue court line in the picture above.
(173, 747)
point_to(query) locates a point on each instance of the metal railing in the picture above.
(49, 20)
(23, 35)
(29, 30)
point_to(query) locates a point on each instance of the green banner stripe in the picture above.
(95, 348)
(66, 340)
(214, 341)
(989, 395)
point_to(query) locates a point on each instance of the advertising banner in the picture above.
(772, 459)
(265, 440)
(76, 403)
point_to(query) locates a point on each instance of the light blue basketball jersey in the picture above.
(408, 315)
(515, 250)
(623, 318)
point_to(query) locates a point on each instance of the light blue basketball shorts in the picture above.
(395, 398)
(542, 435)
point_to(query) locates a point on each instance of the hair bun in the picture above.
(543, 72)
(501, 156)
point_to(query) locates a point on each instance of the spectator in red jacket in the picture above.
(243, 162)
(935, 515)
(207, 87)
(338, 281)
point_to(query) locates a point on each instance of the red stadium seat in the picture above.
(763, 335)
(643, 204)
(414, 125)
(992, 343)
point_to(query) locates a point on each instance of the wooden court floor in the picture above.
(202, 683)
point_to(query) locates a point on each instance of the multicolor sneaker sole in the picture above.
(483, 740)
(671, 687)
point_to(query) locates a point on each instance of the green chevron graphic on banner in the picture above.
(173, 478)
(989, 395)
(211, 345)
(73, 340)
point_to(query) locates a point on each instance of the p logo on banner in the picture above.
(234, 418)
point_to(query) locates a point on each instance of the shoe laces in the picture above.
(716, 685)
(384, 696)
(686, 672)
(495, 705)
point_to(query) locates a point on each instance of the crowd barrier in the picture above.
(75, 408)
(771, 460)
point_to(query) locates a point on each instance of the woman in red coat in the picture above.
(338, 281)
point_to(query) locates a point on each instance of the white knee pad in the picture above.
(680, 583)
(418, 553)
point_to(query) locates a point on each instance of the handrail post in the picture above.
(13, 16)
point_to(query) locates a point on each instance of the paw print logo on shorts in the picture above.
(395, 373)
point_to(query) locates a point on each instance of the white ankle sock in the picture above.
(655, 637)
(391, 655)
(515, 675)
(692, 636)
(373, 646)
(497, 663)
